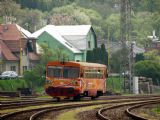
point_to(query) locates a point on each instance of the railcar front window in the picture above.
(54, 71)
(71, 72)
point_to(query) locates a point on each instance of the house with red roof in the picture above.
(17, 49)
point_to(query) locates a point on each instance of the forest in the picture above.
(102, 14)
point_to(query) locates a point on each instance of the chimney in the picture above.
(5, 28)
(154, 36)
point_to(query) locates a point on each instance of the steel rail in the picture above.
(137, 117)
(53, 107)
(103, 117)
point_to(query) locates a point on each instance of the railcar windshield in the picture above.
(63, 72)
(54, 71)
(71, 72)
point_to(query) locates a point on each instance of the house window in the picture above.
(13, 68)
(24, 68)
(89, 44)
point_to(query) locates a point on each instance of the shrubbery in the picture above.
(34, 79)
(148, 68)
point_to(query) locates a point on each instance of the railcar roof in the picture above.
(90, 64)
(85, 64)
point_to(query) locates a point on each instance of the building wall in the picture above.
(54, 45)
(79, 57)
(8, 64)
(25, 63)
(91, 40)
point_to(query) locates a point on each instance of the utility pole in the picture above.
(125, 21)
(131, 58)
(20, 50)
(125, 30)
(108, 50)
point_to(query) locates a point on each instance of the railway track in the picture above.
(34, 102)
(35, 113)
(135, 116)
(108, 113)
(20, 104)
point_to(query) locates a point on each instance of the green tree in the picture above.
(149, 69)
(119, 59)
(98, 55)
(142, 26)
(153, 55)
(156, 22)
(139, 57)
(35, 77)
(112, 23)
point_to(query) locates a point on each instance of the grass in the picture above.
(114, 84)
(12, 85)
(156, 109)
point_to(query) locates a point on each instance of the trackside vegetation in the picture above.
(114, 84)
(12, 85)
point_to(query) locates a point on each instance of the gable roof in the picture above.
(76, 35)
(73, 29)
(6, 52)
(40, 31)
(10, 37)
(50, 29)
(11, 34)
(69, 35)
(24, 32)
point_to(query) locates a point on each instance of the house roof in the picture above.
(14, 45)
(73, 29)
(25, 33)
(40, 31)
(6, 52)
(33, 56)
(74, 37)
(54, 34)
(11, 34)
(50, 29)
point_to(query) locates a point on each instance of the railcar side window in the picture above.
(94, 73)
(54, 71)
(71, 72)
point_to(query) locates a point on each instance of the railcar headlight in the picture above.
(48, 81)
(74, 82)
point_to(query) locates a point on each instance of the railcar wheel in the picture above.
(58, 99)
(93, 98)
(77, 98)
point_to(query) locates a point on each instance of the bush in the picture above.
(12, 85)
(33, 79)
(149, 69)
